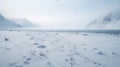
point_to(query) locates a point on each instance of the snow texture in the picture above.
(59, 49)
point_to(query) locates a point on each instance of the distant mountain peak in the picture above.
(1, 17)
(6, 23)
(110, 21)
(114, 15)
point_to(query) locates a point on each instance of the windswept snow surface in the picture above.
(59, 49)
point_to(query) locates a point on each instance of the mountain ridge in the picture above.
(110, 21)
(24, 22)
(6, 23)
(15, 23)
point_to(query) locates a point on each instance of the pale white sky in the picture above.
(58, 13)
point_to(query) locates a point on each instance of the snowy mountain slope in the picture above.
(110, 21)
(24, 22)
(5, 23)
(59, 49)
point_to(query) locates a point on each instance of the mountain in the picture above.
(110, 21)
(5, 23)
(24, 22)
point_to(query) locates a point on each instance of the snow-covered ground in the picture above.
(59, 49)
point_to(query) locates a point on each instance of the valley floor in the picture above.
(59, 49)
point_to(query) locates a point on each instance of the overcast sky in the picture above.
(58, 13)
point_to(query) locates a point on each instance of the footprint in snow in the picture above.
(42, 56)
(76, 33)
(84, 46)
(57, 33)
(50, 64)
(32, 52)
(6, 39)
(114, 53)
(98, 64)
(36, 43)
(27, 34)
(100, 53)
(27, 61)
(85, 34)
(8, 49)
(42, 46)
